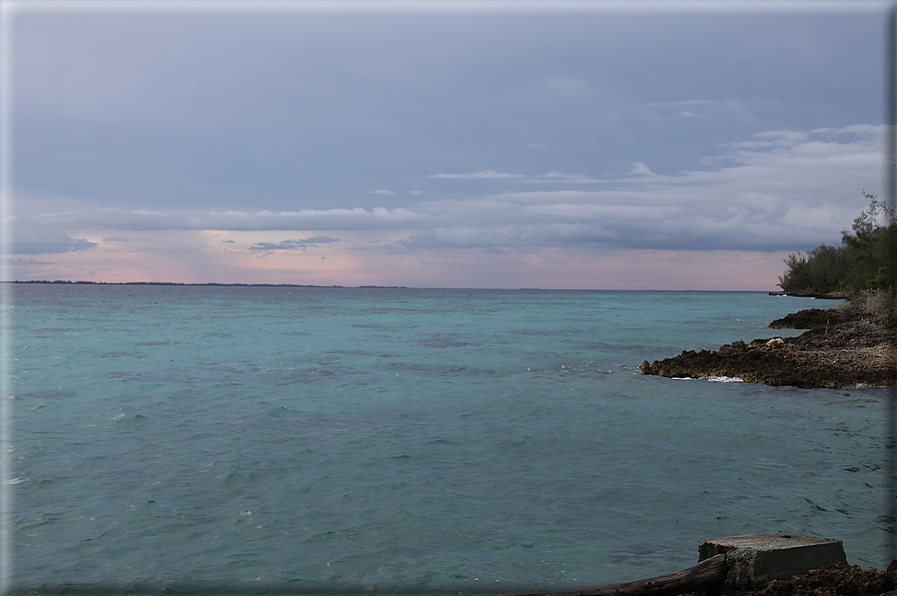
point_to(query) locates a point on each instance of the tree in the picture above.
(862, 262)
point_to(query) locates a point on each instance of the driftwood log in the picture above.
(708, 575)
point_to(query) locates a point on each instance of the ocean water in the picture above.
(268, 440)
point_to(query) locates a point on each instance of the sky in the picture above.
(493, 144)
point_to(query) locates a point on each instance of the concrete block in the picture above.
(756, 559)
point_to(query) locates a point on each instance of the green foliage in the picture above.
(861, 263)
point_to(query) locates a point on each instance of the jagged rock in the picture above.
(844, 347)
(841, 579)
(813, 318)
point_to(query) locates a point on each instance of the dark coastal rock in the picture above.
(841, 579)
(817, 295)
(844, 347)
(814, 318)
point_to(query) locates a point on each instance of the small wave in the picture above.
(711, 379)
(725, 379)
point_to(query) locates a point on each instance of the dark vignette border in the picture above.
(890, 174)
(215, 589)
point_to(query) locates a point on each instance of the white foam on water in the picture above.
(725, 379)
(711, 379)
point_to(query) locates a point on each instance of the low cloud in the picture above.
(294, 245)
(86, 217)
(492, 175)
(777, 191)
(32, 242)
(641, 169)
(487, 175)
(125, 239)
(562, 177)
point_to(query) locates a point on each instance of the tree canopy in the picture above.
(862, 262)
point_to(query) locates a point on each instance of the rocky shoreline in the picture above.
(837, 580)
(843, 347)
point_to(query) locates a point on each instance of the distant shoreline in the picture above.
(176, 283)
(368, 286)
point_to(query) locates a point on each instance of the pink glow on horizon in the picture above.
(200, 257)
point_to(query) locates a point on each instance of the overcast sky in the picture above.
(552, 145)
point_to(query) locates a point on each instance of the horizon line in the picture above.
(364, 286)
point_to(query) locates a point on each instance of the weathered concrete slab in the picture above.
(755, 559)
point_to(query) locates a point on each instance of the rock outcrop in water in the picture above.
(844, 347)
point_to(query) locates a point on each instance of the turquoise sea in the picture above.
(291, 440)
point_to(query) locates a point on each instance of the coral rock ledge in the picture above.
(844, 347)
